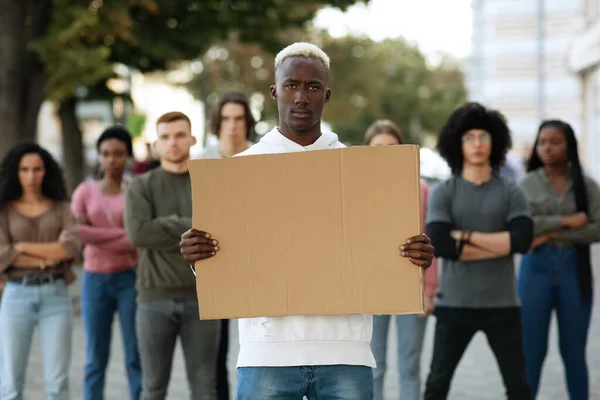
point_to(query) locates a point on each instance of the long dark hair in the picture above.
(53, 185)
(234, 97)
(580, 190)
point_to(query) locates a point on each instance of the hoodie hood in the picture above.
(274, 142)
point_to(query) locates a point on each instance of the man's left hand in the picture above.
(418, 250)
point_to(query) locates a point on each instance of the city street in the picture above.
(477, 376)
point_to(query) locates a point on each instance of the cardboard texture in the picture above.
(314, 232)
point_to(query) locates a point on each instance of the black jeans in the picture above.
(222, 374)
(452, 336)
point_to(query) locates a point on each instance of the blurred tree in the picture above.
(22, 77)
(136, 121)
(392, 80)
(446, 90)
(65, 50)
(76, 53)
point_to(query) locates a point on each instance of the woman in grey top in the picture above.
(556, 273)
(38, 243)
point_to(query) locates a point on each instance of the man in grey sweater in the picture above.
(157, 209)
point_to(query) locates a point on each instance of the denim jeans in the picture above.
(410, 332)
(328, 382)
(23, 307)
(548, 280)
(158, 325)
(101, 296)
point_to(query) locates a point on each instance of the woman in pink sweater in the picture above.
(109, 275)
(410, 328)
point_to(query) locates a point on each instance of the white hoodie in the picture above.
(303, 339)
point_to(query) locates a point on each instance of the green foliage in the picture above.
(87, 37)
(245, 29)
(135, 123)
(388, 80)
(370, 80)
(76, 51)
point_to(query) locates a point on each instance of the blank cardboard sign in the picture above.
(314, 232)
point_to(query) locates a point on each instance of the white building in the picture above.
(536, 59)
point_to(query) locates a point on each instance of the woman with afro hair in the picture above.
(477, 221)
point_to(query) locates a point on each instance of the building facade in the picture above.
(537, 59)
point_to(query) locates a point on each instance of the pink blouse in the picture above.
(107, 248)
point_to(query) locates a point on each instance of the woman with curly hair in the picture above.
(110, 259)
(410, 329)
(557, 274)
(38, 244)
(477, 221)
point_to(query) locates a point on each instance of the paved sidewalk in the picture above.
(477, 377)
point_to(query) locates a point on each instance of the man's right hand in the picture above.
(576, 220)
(196, 245)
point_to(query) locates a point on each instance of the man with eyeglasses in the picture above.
(477, 221)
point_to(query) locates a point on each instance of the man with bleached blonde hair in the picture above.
(320, 357)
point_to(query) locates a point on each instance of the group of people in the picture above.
(139, 245)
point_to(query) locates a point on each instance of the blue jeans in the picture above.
(548, 280)
(101, 296)
(410, 330)
(158, 325)
(328, 382)
(23, 307)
